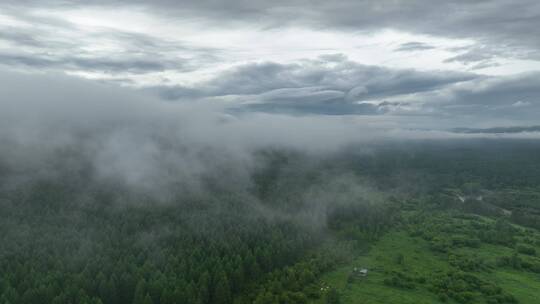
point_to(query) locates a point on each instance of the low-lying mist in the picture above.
(116, 147)
(49, 126)
(75, 147)
(54, 126)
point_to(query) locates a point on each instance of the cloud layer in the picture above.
(51, 123)
(254, 74)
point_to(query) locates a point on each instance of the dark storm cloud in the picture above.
(328, 85)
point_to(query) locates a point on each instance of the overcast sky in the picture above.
(417, 64)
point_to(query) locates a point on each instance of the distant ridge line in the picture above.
(495, 130)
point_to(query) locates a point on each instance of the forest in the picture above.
(433, 222)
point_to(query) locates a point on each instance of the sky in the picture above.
(322, 67)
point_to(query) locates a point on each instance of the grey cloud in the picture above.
(377, 82)
(104, 65)
(18, 37)
(307, 94)
(479, 56)
(503, 90)
(25, 60)
(331, 84)
(489, 101)
(475, 54)
(414, 46)
(315, 87)
(326, 108)
(484, 64)
(48, 42)
(130, 65)
(497, 22)
(149, 45)
(348, 88)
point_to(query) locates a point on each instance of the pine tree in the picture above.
(222, 293)
(204, 287)
(140, 292)
(147, 300)
(167, 296)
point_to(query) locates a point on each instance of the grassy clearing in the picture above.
(420, 261)
(381, 259)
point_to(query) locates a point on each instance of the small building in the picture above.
(362, 272)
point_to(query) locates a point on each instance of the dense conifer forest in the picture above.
(72, 238)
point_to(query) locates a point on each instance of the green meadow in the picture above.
(415, 260)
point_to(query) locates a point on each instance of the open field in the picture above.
(398, 252)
